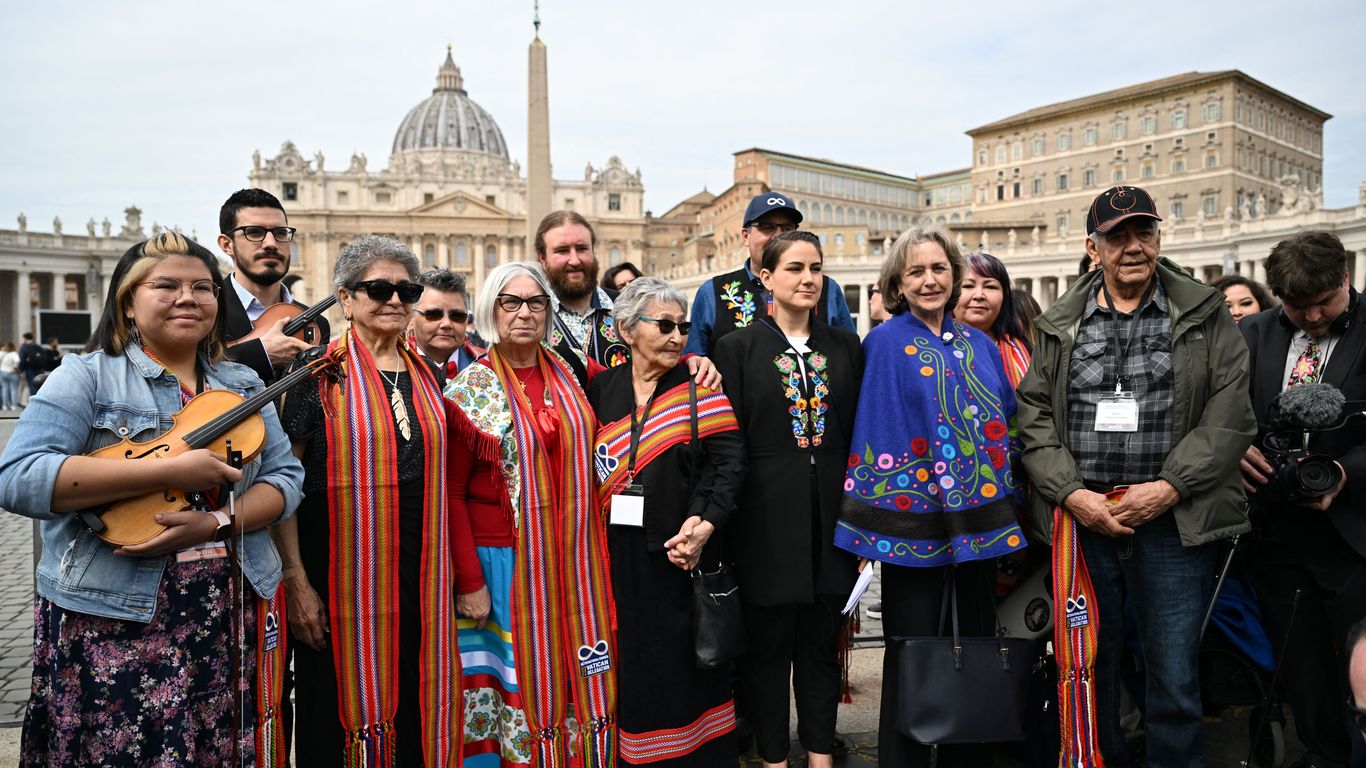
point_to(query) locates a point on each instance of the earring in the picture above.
(134, 336)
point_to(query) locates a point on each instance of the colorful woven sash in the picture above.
(668, 423)
(362, 503)
(1076, 637)
(561, 600)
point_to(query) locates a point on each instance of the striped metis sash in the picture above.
(271, 751)
(561, 594)
(667, 423)
(362, 501)
(1076, 637)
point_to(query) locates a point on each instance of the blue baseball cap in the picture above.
(768, 203)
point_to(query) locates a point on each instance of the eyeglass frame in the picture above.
(503, 299)
(180, 289)
(464, 315)
(660, 323)
(771, 229)
(273, 231)
(388, 289)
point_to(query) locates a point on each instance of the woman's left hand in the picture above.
(685, 549)
(704, 372)
(185, 528)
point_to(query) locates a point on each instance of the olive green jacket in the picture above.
(1212, 420)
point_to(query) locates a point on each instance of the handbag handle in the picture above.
(950, 606)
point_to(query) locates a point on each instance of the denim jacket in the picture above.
(94, 400)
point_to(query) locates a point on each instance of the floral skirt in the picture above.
(122, 693)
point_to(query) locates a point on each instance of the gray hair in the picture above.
(494, 284)
(889, 281)
(364, 252)
(446, 281)
(635, 298)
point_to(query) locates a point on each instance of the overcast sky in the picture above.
(160, 104)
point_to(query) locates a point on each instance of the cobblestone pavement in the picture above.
(16, 615)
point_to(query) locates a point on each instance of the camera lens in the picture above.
(1317, 476)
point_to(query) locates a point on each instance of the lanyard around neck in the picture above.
(1134, 320)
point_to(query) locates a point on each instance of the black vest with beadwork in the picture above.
(741, 299)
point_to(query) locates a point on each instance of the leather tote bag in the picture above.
(962, 690)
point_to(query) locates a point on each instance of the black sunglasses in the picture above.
(258, 234)
(382, 290)
(435, 315)
(667, 327)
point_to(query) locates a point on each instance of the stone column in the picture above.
(864, 321)
(59, 291)
(23, 307)
(1260, 271)
(476, 248)
(1359, 270)
(443, 255)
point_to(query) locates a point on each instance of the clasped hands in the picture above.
(685, 548)
(1140, 504)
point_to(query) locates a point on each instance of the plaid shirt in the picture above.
(1118, 458)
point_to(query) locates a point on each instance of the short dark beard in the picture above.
(564, 290)
(265, 278)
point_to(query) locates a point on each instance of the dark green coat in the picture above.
(1212, 421)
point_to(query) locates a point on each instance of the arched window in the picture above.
(883, 225)
(862, 216)
(839, 215)
(827, 217)
(954, 219)
(429, 255)
(462, 256)
(490, 257)
(614, 256)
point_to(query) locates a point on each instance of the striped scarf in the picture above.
(1015, 357)
(561, 602)
(667, 424)
(362, 500)
(1076, 637)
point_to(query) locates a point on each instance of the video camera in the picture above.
(1296, 415)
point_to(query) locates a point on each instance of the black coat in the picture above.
(1268, 337)
(781, 540)
(253, 353)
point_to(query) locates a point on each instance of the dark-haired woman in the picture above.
(793, 382)
(1242, 296)
(987, 303)
(618, 277)
(132, 658)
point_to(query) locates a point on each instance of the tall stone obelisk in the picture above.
(538, 192)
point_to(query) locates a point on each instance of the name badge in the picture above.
(1118, 413)
(628, 507)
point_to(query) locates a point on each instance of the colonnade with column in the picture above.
(22, 303)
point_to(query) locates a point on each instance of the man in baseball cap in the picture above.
(1134, 415)
(736, 299)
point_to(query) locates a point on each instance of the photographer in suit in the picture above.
(1316, 545)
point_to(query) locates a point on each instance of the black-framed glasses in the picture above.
(435, 315)
(1358, 714)
(512, 303)
(382, 290)
(258, 234)
(667, 327)
(769, 229)
(168, 289)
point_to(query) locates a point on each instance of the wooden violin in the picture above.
(214, 419)
(302, 326)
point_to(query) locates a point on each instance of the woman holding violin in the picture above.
(133, 660)
(367, 568)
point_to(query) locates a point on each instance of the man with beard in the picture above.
(581, 325)
(254, 234)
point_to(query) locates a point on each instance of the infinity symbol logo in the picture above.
(1079, 604)
(599, 649)
(776, 201)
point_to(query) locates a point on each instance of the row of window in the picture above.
(835, 185)
(1276, 122)
(1089, 178)
(1090, 134)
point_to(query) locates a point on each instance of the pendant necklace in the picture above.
(396, 403)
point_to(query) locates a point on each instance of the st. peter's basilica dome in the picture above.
(450, 120)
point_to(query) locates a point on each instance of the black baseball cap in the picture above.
(768, 203)
(1117, 204)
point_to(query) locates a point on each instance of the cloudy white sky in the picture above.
(160, 104)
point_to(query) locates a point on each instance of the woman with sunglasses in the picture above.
(132, 663)
(536, 644)
(440, 324)
(666, 496)
(793, 384)
(369, 579)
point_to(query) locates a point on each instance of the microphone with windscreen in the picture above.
(1294, 415)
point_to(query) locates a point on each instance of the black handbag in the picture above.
(962, 690)
(718, 628)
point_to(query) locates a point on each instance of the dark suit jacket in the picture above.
(1268, 339)
(253, 353)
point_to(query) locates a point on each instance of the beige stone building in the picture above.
(1234, 165)
(451, 191)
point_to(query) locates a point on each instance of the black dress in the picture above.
(797, 418)
(668, 709)
(318, 732)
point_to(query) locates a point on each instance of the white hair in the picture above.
(494, 284)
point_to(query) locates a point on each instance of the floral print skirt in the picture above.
(122, 693)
